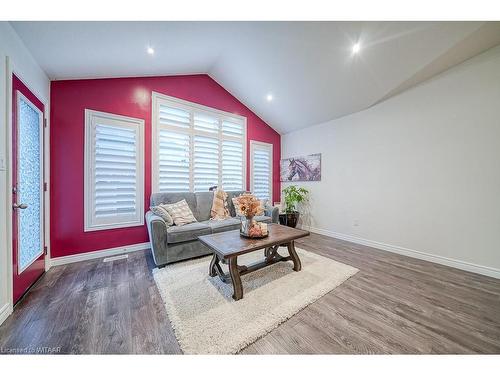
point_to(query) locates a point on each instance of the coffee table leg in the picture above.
(211, 271)
(297, 266)
(235, 278)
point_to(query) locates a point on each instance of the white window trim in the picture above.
(89, 226)
(253, 146)
(157, 99)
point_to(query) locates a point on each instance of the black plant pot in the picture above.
(290, 219)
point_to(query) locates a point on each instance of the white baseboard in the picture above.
(99, 254)
(466, 266)
(5, 311)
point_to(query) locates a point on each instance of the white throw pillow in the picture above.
(180, 212)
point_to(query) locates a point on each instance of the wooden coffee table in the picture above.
(227, 246)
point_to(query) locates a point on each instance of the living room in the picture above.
(250, 186)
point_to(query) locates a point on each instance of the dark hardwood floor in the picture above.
(394, 304)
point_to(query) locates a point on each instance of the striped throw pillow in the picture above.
(219, 206)
(180, 212)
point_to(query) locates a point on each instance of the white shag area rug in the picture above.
(206, 319)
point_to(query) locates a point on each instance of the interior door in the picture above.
(27, 188)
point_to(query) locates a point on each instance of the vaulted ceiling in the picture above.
(308, 67)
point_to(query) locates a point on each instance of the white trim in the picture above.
(5, 311)
(188, 106)
(455, 263)
(99, 254)
(90, 223)
(9, 266)
(262, 145)
(46, 158)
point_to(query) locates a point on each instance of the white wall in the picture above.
(420, 172)
(33, 76)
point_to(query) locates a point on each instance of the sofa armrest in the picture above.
(157, 230)
(273, 213)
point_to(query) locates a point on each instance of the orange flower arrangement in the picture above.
(249, 205)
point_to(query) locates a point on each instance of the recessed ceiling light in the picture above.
(151, 50)
(269, 97)
(356, 48)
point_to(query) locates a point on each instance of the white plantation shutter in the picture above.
(232, 165)
(196, 147)
(232, 128)
(261, 169)
(174, 117)
(206, 123)
(174, 161)
(114, 171)
(206, 163)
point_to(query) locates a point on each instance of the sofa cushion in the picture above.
(223, 225)
(188, 232)
(203, 205)
(169, 198)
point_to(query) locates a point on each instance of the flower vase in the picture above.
(250, 228)
(246, 225)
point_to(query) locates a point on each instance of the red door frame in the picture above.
(21, 282)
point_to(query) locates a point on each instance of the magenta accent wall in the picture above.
(128, 97)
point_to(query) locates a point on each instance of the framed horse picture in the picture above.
(302, 168)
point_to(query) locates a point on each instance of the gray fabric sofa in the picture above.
(174, 243)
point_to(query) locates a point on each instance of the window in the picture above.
(196, 147)
(114, 171)
(261, 177)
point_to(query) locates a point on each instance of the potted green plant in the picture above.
(293, 196)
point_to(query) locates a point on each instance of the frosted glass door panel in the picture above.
(29, 183)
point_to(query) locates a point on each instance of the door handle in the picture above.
(21, 206)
